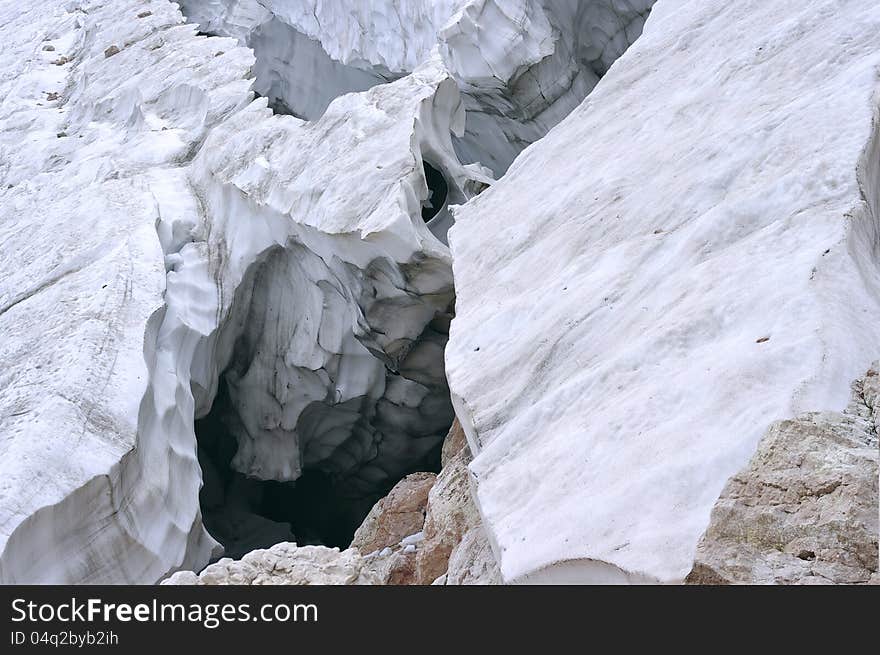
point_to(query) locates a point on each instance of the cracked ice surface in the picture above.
(145, 218)
(703, 261)
(522, 65)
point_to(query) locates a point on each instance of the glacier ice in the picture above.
(703, 261)
(226, 284)
(154, 214)
(522, 65)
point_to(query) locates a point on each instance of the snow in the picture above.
(522, 65)
(88, 470)
(152, 217)
(689, 256)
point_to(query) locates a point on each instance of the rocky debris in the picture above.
(284, 564)
(805, 509)
(112, 50)
(451, 512)
(397, 515)
(396, 565)
(450, 538)
(472, 561)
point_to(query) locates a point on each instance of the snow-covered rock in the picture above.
(690, 256)
(805, 509)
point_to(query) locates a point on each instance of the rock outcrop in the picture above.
(805, 509)
(449, 546)
(284, 564)
(396, 516)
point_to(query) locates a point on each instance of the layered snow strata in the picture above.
(703, 261)
(158, 227)
(333, 292)
(523, 65)
(102, 105)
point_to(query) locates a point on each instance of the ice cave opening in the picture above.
(336, 388)
(325, 400)
(438, 191)
(245, 513)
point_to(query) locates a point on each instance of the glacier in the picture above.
(180, 210)
(522, 65)
(258, 255)
(620, 346)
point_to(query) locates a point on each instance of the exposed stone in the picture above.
(441, 523)
(285, 564)
(397, 515)
(112, 50)
(451, 516)
(472, 561)
(455, 442)
(804, 510)
(400, 568)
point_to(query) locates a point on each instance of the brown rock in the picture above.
(804, 510)
(472, 561)
(454, 539)
(455, 442)
(112, 50)
(399, 514)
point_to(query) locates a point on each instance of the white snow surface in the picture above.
(150, 211)
(522, 65)
(691, 255)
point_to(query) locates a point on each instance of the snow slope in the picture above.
(691, 255)
(157, 226)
